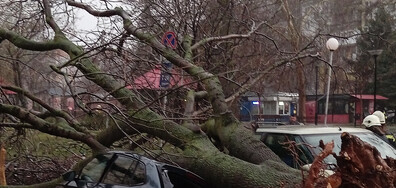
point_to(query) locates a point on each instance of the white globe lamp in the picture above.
(332, 44)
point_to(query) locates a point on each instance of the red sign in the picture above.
(169, 39)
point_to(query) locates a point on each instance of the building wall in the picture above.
(268, 108)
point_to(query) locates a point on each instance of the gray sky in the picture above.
(85, 21)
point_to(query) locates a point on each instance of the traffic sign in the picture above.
(169, 39)
(165, 73)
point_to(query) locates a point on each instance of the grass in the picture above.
(35, 157)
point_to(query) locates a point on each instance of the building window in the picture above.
(265, 107)
(283, 108)
(269, 107)
(255, 108)
(336, 106)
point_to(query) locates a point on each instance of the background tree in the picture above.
(379, 35)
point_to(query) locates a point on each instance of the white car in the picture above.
(306, 139)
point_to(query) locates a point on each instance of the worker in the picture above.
(372, 123)
(293, 120)
(388, 134)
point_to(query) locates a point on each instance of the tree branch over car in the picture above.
(224, 121)
(240, 160)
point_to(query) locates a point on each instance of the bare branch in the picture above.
(227, 37)
(50, 20)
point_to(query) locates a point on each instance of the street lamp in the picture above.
(331, 44)
(375, 54)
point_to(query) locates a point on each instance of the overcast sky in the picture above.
(85, 21)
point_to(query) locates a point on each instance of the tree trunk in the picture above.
(301, 93)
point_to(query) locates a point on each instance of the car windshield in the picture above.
(384, 148)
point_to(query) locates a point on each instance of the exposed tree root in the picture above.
(359, 165)
(317, 176)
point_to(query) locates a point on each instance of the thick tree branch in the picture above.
(27, 44)
(54, 112)
(17, 125)
(46, 127)
(89, 9)
(189, 109)
(187, 41)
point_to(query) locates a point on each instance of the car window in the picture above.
(384, 148)
(313, 140)
(93, 171)
(278, 143)
(304, 151)
(126, 171)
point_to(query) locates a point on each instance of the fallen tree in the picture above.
(217, 146)
(247, 163)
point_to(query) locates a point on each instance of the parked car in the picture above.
(119, 169)
(307, 142)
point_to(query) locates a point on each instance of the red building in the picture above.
(342, 109)
(5, 91)
(158, 79)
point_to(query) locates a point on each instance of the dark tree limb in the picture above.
(53, 129)
(53, 112)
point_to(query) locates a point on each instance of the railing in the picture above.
(271, 120)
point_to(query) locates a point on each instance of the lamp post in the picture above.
(331, 44)
(375, 54)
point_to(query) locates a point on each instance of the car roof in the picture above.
(304, 130)
(173, 168)
(140, 157)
